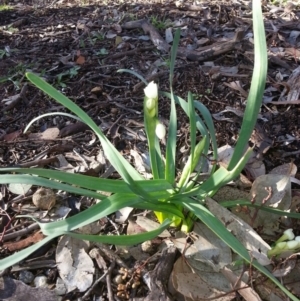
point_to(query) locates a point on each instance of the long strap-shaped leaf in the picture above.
(172, 132)
(127, 172)
(162, 188)
(257, 84)
(126, 240)
(107, 206)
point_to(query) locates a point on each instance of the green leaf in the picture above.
(135, 74)
(33, 180)
(191, 114)
(211, 128)
(161, 188)
(128, 173)
(191, 163)
(167, 209)
(125, 240)
(222, 176)
(50, 114)
(170, 171)
(199, 122)
(257, 84)
(107, 206)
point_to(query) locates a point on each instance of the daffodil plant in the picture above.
(174, 202)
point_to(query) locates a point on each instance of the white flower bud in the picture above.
(297, 238)
(289, 233)
(292, 244)
(151, 91)
(160, 131)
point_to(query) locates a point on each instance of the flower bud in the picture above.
(160, 131)
(292, 244)
(287, 235)
(151, 91)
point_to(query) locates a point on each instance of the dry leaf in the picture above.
(20, 189)
(75, 266)
(12, 136)
(245, 291)
(192, 286)
(49, 134)
(80, 60)
(240, 229)
(279, 197)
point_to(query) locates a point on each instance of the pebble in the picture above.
(40, 281)
(26, 276)
(147, 246)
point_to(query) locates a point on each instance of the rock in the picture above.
(40, 281)
(26, 276)
(44, 199)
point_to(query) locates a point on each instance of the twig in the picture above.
(114, 225)
(115, 123)
(87, 294)
(22, 232)
(110, 293)
(95, 254)
(7, 225)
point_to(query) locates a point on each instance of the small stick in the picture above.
(87, 294)
(110, 293)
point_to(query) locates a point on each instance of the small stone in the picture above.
(147, 246)
(44, 199)
(40, 281)
(26, 276)
(97, 90)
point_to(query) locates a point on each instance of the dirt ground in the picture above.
(79, 45)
